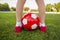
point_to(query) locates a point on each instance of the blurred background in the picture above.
(10, 5)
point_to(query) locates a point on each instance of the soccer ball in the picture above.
(30, 21)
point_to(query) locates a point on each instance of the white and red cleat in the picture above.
(43, 29)
(17, 29)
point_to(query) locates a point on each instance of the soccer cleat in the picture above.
(17, 29)
(43, 29)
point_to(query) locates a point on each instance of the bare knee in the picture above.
(21, 1)
(40, 1)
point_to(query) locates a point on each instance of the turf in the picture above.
(7, 23)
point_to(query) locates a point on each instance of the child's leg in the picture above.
(41, 8)
(19, 11)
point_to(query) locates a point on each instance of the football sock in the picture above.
(19, 24)
(42, 24)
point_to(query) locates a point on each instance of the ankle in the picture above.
(41, 24)
(19, 24)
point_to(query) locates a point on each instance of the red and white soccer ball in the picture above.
(30, 21)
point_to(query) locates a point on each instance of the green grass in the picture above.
(7, 23)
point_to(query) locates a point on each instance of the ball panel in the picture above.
(24, 21)
(34, 26)
(27, 27)
(33, 16)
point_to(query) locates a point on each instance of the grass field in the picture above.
(7, 23)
